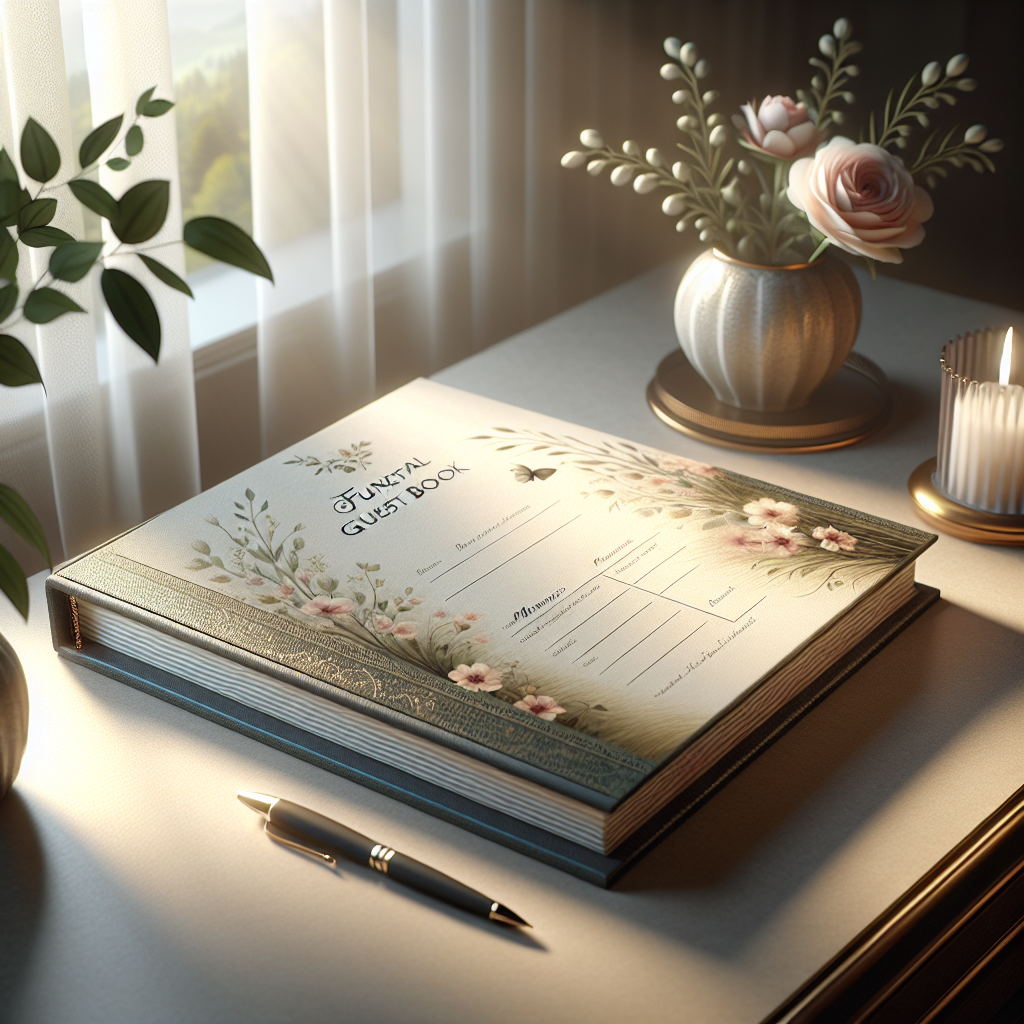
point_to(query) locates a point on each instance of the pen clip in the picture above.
(285, 839)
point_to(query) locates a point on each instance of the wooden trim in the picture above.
(933, 942)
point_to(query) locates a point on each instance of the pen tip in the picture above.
(506, 916)
(258, 802)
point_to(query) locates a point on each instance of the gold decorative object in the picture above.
(974, 488)
(942, 513)
(848, 407)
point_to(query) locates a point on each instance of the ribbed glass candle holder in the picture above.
(980, 461)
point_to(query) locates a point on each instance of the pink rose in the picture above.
(543, 707)
(780, 127)
(382, 624)
(861, 198)
(328, 606)
(404, 631)
(476, 677)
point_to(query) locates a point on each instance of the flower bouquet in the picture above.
(800, 186)
(760, 316)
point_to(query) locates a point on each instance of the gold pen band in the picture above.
(379, 857)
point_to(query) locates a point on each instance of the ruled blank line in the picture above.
(661, 563)
(640, 641)
(511, 557)
(495, 541)
(615, 630)
(665, 655)
(587, 619)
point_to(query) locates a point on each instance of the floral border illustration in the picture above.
(266, 566)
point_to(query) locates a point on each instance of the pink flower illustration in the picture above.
(254, 581)
(382, 624)
(285, 591)
(404, 631)
(481, 639)
(415, 600)
(780, 127)
(328, 606)
(542, 707)
(779, 540)
(678, 462)
(659, 480)
(466, 617)
(741, 540)
(305, 576)
(438, 614)
(833, 539)
(476, 677)
(765, 510)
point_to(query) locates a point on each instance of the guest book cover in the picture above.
(563, 605)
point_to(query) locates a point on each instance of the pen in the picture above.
(326, 840)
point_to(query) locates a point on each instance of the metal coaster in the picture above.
(845, 409)
(943, 513)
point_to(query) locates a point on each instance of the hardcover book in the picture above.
(556, 638)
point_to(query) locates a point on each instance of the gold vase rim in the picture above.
(725, 258)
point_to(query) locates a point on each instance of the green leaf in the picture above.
(10, 202)
(46, 304)
(40, 238)
(39, 154)
(118, 163)
(144, 99)
(133, 309)
(224, 241)
(36, 214)
(73, 261)
(8, 300)
(17, 367)
(141, 211)
(19, 517)
(95, 197)
(13, 582)
(156, 108)
(8, 172)
(822, 246)
(168, 276)
(9, 256)
(249, 494)
(98, 140)
(133, 141)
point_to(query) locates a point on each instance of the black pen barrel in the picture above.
(418, 876)
(331, 836)
(334, 838)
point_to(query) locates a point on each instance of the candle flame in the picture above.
(1004, 363)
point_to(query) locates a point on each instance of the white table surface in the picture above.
(135, 888)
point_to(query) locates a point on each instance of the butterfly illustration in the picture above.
(524, 474)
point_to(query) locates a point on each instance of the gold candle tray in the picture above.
(844, 410)
(943, 513)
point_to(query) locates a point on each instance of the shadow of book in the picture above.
(22, 890)
(830, 776)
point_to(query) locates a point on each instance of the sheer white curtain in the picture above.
(405, 187)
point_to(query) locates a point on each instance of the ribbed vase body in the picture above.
(13, 716)
(766, 338)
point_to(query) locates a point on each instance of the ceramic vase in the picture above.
(13, 715)
(766, 338)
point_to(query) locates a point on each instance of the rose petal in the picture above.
(778, 143)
